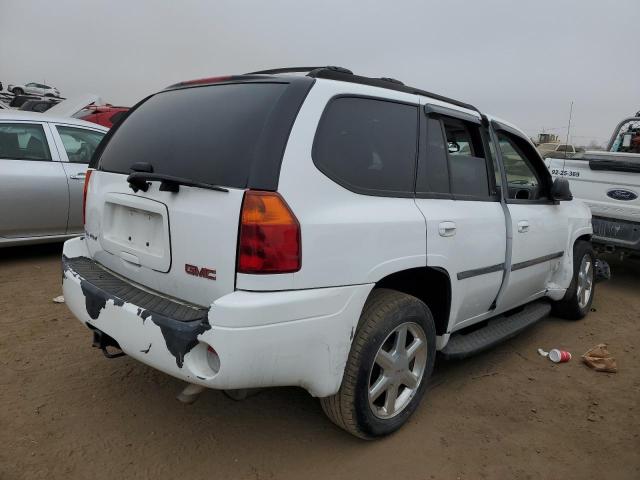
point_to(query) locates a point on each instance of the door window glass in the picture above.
(23, 141)
(523, 182)
(467, 164)
(79, 143)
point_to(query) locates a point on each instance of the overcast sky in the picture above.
(524, 61)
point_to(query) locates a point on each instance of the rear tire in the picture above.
(398, 331)
(18, 91)
(579, 296)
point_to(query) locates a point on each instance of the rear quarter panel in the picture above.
(347, 238)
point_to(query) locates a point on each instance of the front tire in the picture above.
(391, 360)
(18, 91)
(579, 296)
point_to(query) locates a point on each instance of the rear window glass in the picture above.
(368, 146)
(207, 134)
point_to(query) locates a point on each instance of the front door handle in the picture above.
(523, 226)
(78, 176)
(447, 229)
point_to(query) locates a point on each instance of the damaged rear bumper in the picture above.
(262, 339)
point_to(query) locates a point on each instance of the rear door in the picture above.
(76, 145)
(34, 196)
(466, 232)
(171, 237)
(539, 226)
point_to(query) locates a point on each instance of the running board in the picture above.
(497, 330)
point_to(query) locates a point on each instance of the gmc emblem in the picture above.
(200, 272)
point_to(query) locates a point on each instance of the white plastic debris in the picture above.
(542, 353)
(59, 299)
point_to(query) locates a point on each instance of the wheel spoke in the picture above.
(378, 388)
(390, 400)
(415, 346)
(401, 340)
(410, 379)
(384, 360)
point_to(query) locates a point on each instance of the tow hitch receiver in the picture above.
(101, 340)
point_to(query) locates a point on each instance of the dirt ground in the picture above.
(67, 412)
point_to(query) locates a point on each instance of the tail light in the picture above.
(269, 239)
(87, 177)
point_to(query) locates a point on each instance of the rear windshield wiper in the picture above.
(169, 183)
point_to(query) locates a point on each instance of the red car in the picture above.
(106, 115)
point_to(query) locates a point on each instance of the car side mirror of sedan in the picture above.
(560, 190)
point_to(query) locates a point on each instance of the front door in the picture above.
(537, 245)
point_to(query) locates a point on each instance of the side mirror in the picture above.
(560, 190)
(454, 147)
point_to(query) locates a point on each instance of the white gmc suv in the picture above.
(328, 231)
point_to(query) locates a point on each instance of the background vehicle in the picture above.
(90, 107)
(106, 115)
(609, 182)
(34, 88)
(328, 231)
(39, 105)
(43, 161)
(557, 150)
(19, 100)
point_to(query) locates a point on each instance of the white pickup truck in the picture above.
(609, 182)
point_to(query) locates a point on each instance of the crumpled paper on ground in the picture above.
(600, 359)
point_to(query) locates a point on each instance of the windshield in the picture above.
(205, 134)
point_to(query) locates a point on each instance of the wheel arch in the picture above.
(430, 284)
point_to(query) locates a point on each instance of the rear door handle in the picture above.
(447, 229)
(78, 176)
(523, 226)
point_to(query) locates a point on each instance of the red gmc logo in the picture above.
(200, 272)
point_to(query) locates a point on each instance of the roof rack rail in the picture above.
(389, 83)
(275, 71)
(346, 75)
(392, 80)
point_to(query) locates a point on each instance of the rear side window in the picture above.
(79, 143)
(208, 134)
(368, 146)
(23, 141)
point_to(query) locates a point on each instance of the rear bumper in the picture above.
(263, 339)
(613, 232)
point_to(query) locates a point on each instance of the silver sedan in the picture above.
(43, 161)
